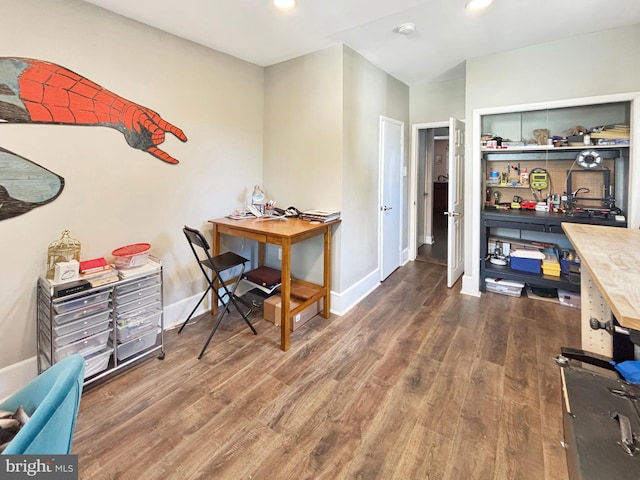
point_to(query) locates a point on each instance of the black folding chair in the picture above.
(216, 266)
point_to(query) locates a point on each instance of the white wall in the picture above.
(588, 65)
(115, 195)
(303, 146)
(322, 114)
(437, 102)
(369, 93)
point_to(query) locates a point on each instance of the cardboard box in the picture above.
(272, 311)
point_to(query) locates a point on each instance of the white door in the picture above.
(455, 204)
(391, 148)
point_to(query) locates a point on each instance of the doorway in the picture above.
(433, 184)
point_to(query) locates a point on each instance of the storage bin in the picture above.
(81, 324)
(77, 314)
(81, 302)
(83, 333)
(121, 290)
(135, 316)
(137, 304)
(505, 287)
(565, 265)
(130, 297)
(530, 265)
(126, 350)
(96, 362)
(84, 347)
(132, 330)
(131, 256)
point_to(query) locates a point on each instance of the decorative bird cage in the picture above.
(62, 250)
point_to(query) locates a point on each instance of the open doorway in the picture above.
(432, 185)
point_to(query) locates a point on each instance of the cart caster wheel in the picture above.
(161, 356)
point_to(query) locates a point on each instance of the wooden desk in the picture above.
(610, 279)
(284, 233)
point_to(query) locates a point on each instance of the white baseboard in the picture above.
(16, 376)
(341, 303)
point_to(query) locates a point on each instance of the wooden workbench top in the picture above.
(612, 257)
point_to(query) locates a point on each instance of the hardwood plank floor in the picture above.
(415, 382)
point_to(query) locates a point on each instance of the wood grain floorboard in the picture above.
(416, 382)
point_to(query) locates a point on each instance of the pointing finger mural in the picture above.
(34, 91)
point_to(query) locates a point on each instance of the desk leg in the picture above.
(285, 292)
(215, 250)
(326, 312)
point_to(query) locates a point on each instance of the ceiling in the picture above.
(446, 34)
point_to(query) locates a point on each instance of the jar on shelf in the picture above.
(62, 250)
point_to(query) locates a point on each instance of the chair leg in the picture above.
(195, 308)
(242, 314)
(225, 309)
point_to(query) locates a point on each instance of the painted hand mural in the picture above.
(34, 91)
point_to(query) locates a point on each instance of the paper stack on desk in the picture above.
(322, 216)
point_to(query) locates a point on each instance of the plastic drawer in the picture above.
(81, 324)
(81, 302)
(130, 297)
(78, 314)
(139, 314)
(130, 348)
(77, 335)
(84, 347)
(136, 304)
(121, 290)
(96, 362)
(133, 330)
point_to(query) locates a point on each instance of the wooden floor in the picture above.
(416, 382)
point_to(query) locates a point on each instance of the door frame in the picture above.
(413, 181)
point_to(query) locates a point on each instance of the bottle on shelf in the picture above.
(524, 177)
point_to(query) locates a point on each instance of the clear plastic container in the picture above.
(84, 347)
(78, 314)
(81, 302)
(81, 324)
(127, 307)
(138, 294)
(96, 362)
(121, 290)
(130, 348)
(135, 316)
(79, 334)
(137, 329)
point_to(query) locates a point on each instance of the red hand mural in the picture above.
(54, 94)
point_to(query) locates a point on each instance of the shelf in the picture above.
(549, 153)
(539, 280)
(528, 148)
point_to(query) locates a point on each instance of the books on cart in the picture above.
(322, 216)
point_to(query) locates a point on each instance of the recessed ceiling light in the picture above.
(284, 4)
(478, 4)
(405, 28)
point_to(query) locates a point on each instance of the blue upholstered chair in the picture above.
(51, 400)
